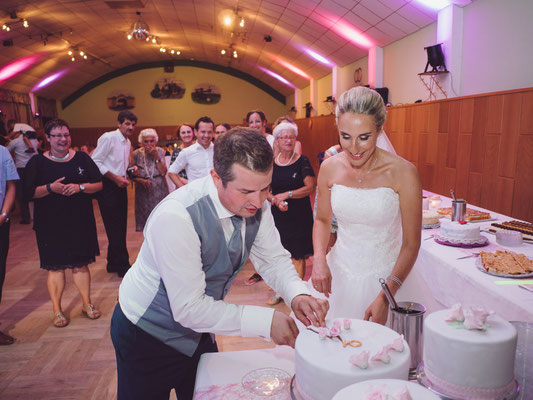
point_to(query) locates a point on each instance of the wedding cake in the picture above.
(469, 354)
(346, 352)
(457, 232)
(385, 389)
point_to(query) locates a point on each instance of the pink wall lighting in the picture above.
(49, 79)
(434, 4)
(318, 57)
(352, 34)
(274, 75)
(294, 69)
(17, 66)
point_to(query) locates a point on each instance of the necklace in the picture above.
(58, 158)
(288, 162)
(360, 179)
(150, 174)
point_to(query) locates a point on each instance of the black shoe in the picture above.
(6, 339)
(112, 269)
(122, 271)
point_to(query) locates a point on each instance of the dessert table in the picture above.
(438, 279)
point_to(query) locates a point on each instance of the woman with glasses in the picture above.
(150, 184)
(293, 180)
(61, 182)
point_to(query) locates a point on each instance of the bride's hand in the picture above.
(378, 310)
(321, 277)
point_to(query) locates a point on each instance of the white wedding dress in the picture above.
(368, 242)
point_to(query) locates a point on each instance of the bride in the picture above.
(376, 197)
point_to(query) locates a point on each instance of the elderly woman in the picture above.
(61, 182)
(150, 184)
(297, 146)
(293, 180)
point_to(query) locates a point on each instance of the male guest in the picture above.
(8, 176)
(23, 148)
(171, 302)
(197, 159)
(112, 156)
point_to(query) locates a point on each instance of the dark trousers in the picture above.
(113, 203)
(22, 203)
(149, 369)
(4, 247)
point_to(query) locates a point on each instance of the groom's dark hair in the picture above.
(243, 146)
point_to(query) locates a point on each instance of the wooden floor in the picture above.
(78, 361)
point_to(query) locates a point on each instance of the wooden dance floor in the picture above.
(78, 361)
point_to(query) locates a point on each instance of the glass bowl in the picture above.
(266, 381)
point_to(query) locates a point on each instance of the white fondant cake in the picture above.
(323, 367)
(388, 389)
(470, 363)
(453, 231)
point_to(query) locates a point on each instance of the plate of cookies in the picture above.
(471, 214)
(505, 264)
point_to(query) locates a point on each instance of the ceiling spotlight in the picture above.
(4, 27)
(140, 29)
(85, 57)
(154, 40)
(267, 38)
(241, 24)
(235, 55)
(222, 51)
(72, 59)
(70, 52)
(82, 53)
(25, 24)
(172, 51)
(129, 36)
(227, 20)
(178, 52)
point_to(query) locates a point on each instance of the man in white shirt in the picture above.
(112, 156)
(171, 302)
(20, 150)
(196, 160)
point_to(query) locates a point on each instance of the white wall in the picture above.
(497, 46)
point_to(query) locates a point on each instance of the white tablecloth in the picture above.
(438, 280)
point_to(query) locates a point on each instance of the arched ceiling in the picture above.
(339, 30)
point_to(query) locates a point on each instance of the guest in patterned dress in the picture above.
(150, 184)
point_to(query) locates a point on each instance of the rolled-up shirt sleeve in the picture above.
(177, 258)
(179, 165)
(101, 152)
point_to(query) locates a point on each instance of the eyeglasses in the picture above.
(287, 138)
(66, 136)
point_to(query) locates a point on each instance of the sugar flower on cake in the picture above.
(347, 323)
(360, 360)
(322, 333)
(337, 324)
(376, 394)
(475, 318)
(455, 314)
(382, 355)
(481, 313)
(334, 331)
(397, 344)
(402, 394)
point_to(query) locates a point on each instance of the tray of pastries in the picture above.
(525, 228)
(506, 264)
(471, 214)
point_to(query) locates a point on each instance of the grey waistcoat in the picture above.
(219, 274)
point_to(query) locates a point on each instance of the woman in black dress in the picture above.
(293, 180)
(60, 182)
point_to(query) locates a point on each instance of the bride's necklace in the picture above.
(58, 158)
(360, 179)
(288, 162)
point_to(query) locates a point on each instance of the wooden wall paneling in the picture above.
(398, 140)
(422, 115)
(526, 117)
(444, 116)
(478, 134)
(504, 195)
(442, 146)
(494, 114)
(454, 117)
(463, 163)
(467, 115)
(490, 166)
(523, 193)
(408, 122)
(510, 133)
(473, 193)
(449, 180)
(432, 145)
(423, 171)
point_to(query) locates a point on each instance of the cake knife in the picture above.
(392, 303)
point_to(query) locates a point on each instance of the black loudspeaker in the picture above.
(384, 93)
(169, 67)
(435, 58)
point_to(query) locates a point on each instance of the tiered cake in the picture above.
(324, 365)
(385, 389)
(469, 356)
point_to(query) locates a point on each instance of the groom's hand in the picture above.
(310, 310)
(283, 329)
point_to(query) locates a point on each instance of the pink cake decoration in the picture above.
(360, 360)
(470, 318)
(381, 393)
(382, 355)
(397, 344)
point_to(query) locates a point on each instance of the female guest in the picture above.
(297, 146)
(60, 182)
(150, 184)
(221, 129)
(257, 120)
(293, 180)
(377, 199)
(186, 135)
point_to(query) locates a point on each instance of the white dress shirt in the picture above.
(171, 253)
(112, 153)
(195, 160)
(18, 147)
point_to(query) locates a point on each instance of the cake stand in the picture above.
(295, 395)
(467, 245)
(424, 381)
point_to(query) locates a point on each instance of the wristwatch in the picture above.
(290, 194)
(82, 188)
(157, 161)
(7, 217)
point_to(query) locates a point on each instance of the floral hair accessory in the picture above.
(322, 333)
(337, 324)
(360, 360)
(347, 324)
(455, 314)
(397, 344)
(334, 331)
(402, 394)
(382, 356)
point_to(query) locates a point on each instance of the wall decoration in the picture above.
(204, 93)
(168, 88)
(119, 101)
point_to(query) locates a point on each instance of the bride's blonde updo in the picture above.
(362, 100)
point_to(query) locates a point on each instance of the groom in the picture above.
(196, 241)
